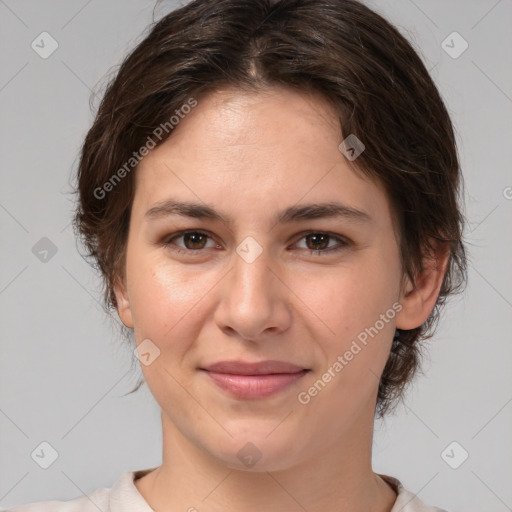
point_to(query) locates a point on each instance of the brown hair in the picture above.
(340, 49)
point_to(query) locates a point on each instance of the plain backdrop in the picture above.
(63, 367)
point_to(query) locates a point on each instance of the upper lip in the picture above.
(260, 368)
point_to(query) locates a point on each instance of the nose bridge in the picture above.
(252, 274)
(252, 301)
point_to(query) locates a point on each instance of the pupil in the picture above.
(195, 238)
(192, 236)
(316, 240)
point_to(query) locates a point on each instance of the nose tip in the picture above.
(253, 299)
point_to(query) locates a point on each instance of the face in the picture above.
(264, 272)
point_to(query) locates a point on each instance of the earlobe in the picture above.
(123, 303)
(419, 299)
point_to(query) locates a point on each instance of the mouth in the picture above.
(253, 380)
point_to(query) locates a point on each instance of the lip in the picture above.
(254, 380)
(259, 368)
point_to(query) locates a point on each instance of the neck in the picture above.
(338, 479)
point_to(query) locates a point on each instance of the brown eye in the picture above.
(191, 241)
(319, 241)
(194, 240)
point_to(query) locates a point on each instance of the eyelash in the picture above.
(343, 243)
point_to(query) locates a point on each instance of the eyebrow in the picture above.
(292, 214)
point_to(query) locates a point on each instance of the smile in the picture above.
(254, 380)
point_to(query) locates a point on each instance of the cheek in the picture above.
(166, 302)
(350, 298)
(355, 304)
(164, 295)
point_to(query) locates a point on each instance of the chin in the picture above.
(258, 452)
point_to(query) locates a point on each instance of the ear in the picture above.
(123, 302)
(418, 299)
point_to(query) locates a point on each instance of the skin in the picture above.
(250, 156)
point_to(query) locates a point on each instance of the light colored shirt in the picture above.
(123, 496)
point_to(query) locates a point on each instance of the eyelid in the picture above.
(167, 241)
(343, 242)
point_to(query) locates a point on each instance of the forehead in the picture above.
(267, 149)
(274, 121)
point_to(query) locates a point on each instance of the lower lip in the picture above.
(254, 386)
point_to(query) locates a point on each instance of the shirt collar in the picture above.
(125, 496)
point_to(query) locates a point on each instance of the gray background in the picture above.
(64, 368)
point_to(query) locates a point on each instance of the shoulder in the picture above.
(97, 500)
(406, 501)
(123, 495)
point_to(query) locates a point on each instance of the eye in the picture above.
(317, 242)
(194, 241)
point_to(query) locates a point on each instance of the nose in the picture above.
(255, 301)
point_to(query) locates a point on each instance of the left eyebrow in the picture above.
(292, 214)
(321, 211)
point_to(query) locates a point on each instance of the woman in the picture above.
(270, 191)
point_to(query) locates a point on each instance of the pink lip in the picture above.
(254, 380)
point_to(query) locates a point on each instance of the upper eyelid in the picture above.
(167, 240)
(299, 236)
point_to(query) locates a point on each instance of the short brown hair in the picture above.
(340, 49)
